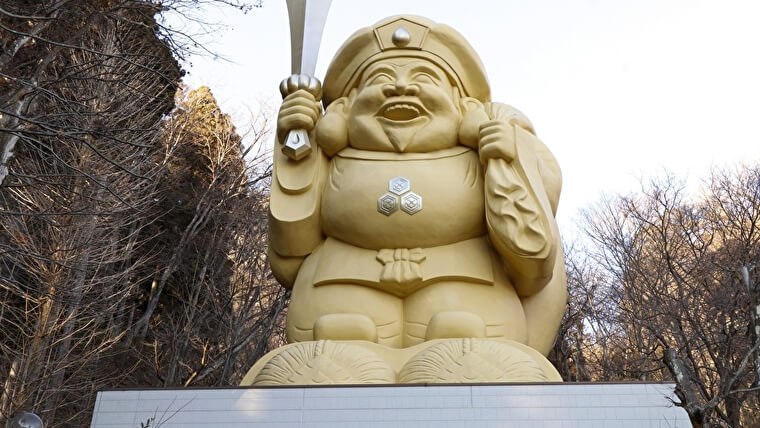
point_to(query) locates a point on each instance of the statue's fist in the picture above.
(496, 140)
(299, 110)
(297, 82)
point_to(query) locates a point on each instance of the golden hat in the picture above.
(407, 36)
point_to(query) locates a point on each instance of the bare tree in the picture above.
(72, 201)
(680, 273)
(85, 87)
(213, 305)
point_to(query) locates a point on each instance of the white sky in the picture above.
(617, 89)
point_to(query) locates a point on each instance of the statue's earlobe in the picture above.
(473, 115)
(332, 129)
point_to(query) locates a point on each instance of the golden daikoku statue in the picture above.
(418, 236)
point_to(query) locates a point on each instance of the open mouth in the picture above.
(400, 112)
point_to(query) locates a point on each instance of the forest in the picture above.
(133, 236)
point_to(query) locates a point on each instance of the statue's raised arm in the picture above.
(294, 205)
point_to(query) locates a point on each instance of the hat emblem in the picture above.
(401, 37)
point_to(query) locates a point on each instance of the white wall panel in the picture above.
(567, 405)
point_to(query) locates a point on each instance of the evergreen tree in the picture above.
(212, 305)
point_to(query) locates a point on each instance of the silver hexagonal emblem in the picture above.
(398, 185)
(411, 203)
(387, 204)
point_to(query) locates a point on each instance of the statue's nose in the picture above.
(401, 87)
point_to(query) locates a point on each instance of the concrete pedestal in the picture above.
(561, 405)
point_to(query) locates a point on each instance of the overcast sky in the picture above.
(618, 90)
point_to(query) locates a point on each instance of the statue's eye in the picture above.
(379, 79)
(424, 78)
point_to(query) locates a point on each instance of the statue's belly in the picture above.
(442, 205)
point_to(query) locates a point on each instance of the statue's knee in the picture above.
(345, 327)
(455, 324)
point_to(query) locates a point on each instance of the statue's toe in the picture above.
(455, 324)
(345, 327)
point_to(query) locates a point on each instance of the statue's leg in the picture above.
(460, 309)
(342, 312)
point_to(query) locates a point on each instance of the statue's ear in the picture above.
(469, 104)
(473, 115)
(332, 129)
(340, 106)
(352, 96)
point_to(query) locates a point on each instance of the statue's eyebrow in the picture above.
(426, 68)
(378, 68)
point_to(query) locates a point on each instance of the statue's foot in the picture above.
(439, 361)
(325, 362)
(345, 327)
(455, 324)
(472, 361)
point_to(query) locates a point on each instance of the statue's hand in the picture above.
(496, 140)
(299, 110)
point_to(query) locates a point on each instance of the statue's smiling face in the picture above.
(404, 105)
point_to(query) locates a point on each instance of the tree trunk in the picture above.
(754, 308)
(6, 398)
(685, 389)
